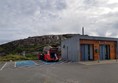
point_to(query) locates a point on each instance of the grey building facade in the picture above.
(85, 48)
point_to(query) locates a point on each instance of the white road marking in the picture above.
(35, 63)
(15, 64)
(3, 66)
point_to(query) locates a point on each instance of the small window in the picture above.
(63, 46)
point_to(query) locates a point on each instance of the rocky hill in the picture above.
(32, 44)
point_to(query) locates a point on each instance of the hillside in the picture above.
(32, 44)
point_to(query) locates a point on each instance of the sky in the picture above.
(26, 18)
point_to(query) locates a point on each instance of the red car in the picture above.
(50, 54)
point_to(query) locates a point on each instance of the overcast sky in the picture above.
(23, 18)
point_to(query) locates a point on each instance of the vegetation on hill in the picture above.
(16, 57)
(31, 46)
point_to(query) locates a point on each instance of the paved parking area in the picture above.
(98, 62)
(27, 63)
(60, 72)
(2, 65)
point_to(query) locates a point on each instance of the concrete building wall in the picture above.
(70, 49)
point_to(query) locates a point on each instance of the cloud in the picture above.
(23, 18)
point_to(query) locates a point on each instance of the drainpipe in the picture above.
(67, 53)
(117, 51)
(116, 55)
(99, 53)
(98, 58)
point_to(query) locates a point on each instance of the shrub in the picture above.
(12, 57)
(16, 57)
(31, 57)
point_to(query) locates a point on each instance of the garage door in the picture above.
(86, 52)
(104, 52)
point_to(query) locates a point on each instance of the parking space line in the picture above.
(35, 63)
(3, 66)
(15, 64)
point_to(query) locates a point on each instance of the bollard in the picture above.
(98, 61)
(116, 58)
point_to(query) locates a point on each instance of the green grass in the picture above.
(16, 57)
(31, 57)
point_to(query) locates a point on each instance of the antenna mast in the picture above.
(82, 30)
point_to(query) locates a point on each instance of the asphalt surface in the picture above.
(60, 72)
(1, 64)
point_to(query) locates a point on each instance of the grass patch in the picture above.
(16, 57)
(31, 57)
